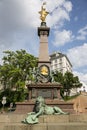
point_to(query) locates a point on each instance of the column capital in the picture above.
(43, 31)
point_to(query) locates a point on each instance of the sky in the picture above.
(67, 19)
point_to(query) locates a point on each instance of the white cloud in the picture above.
(19, 20)
(82, 76)
(53, 5)
(59, 12)
(78, 55)
(82, 33)
(57, 17)
(16, 14)
(62, 37)
(68, 6)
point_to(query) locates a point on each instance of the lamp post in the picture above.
(3, 102)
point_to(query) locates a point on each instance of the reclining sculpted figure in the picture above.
(41, 108)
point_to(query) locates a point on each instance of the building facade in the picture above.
(60, 62)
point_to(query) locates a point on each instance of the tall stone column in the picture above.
(43, 33)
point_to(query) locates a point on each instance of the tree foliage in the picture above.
(58, 77)
(16, 68)
(68, 80)
(13, 96)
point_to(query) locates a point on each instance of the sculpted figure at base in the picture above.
(41, 108)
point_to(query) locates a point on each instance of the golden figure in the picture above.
(44, 70)
(43, 13)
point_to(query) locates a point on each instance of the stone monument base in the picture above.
(26, 107)
(49, 91)
(46, 90)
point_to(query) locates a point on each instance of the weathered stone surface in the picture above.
(17, 127)
(48, 126)
(46, 122)
(17, 118)
(67, 126)
(40, 126)
(56, 119)
(78, 118)
(9, 118)
(25, 107)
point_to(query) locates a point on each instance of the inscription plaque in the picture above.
(46, 93)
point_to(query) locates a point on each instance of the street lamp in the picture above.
(3, 102)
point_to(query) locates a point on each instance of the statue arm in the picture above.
(38, 114)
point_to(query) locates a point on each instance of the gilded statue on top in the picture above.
(43, 13)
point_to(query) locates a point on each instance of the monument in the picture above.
(44, 85)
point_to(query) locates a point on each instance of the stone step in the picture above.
(46, 122)
(11, 118)
(17, 118)
(2, 125)
(47, 126)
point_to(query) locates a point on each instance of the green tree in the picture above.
(68, 81)
(58, 77)
(16, 68)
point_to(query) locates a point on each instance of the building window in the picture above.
(55, 60)
(60, 59)
(55, 65)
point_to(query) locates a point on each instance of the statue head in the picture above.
(40, 102)
(40, 99)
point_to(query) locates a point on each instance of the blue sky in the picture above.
(67, 20)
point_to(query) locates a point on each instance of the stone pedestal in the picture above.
(51, 93)
(46, 90)
(28, 106)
